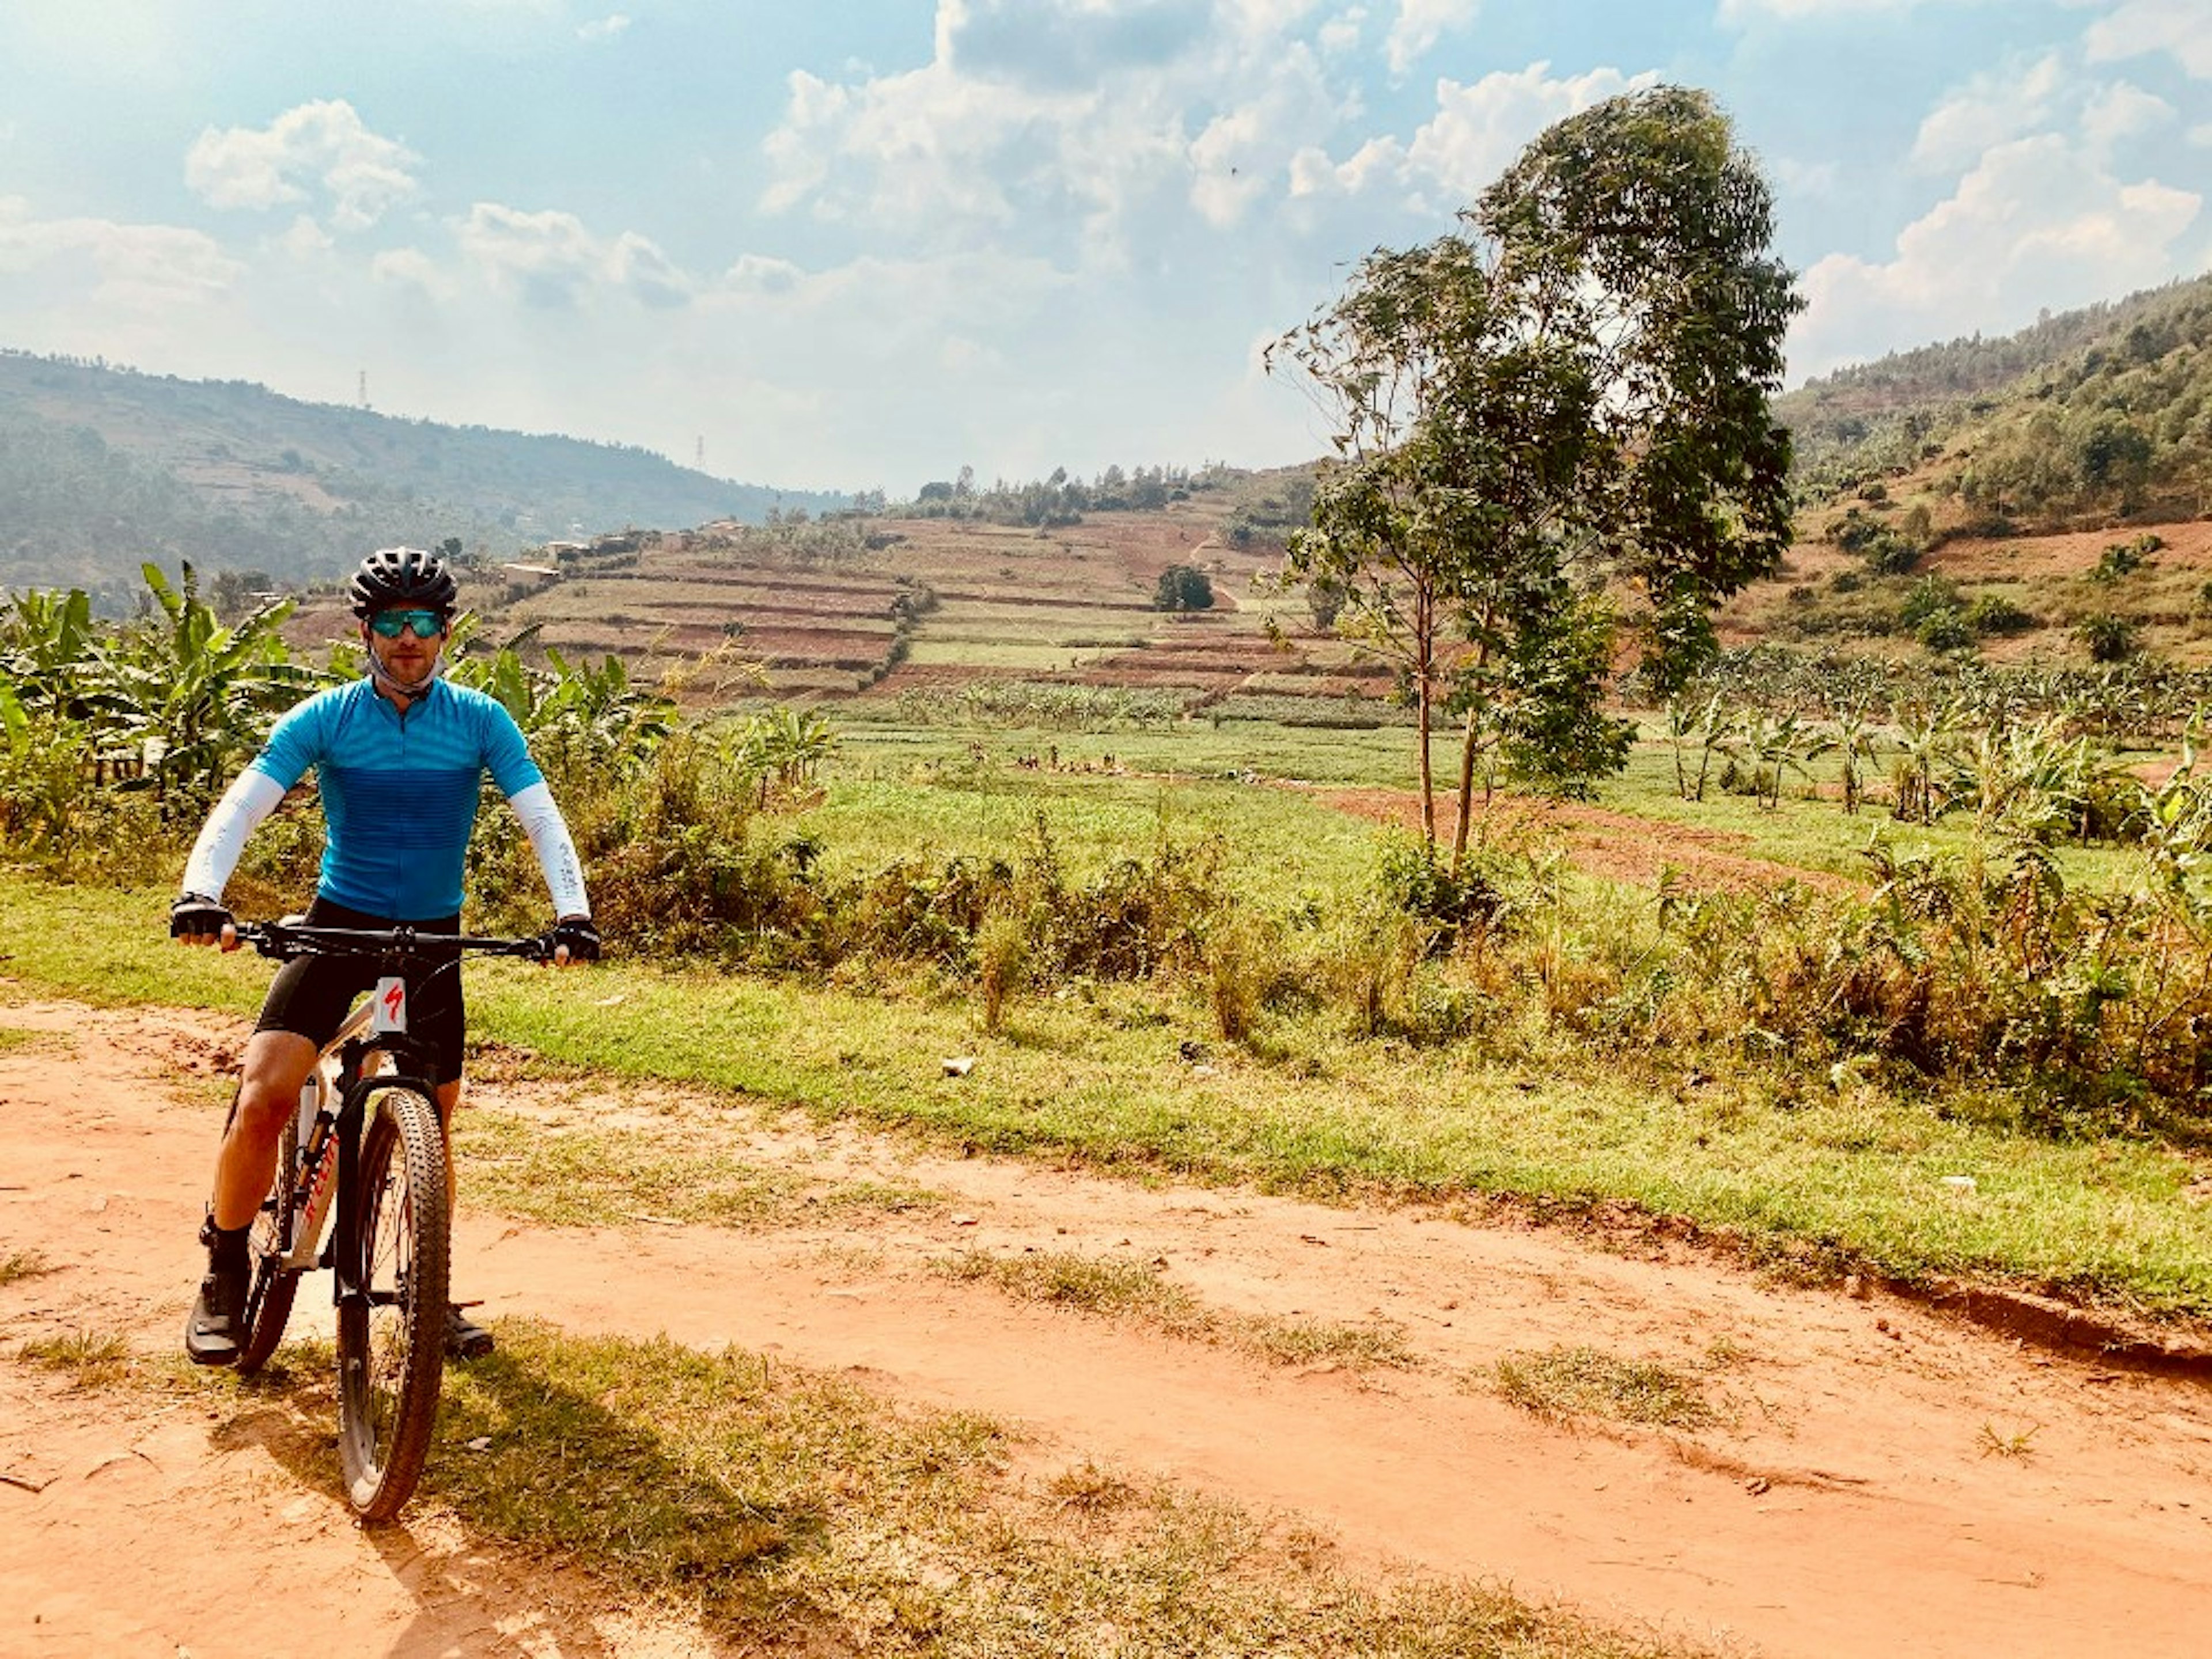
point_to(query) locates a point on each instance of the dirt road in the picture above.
(1878, 1479)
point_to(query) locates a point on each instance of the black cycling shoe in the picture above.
(217, 1326)
(464, 1338)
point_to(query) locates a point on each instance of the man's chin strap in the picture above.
(403, 688)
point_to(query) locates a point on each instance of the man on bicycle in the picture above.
(399, 757)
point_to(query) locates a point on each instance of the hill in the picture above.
(2088, 418)
(2041, 497)
(102, 468)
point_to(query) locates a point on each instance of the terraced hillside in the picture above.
(888, 606)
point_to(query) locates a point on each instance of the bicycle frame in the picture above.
(330, 1138)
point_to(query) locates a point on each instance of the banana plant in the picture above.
(594, 715)
(189, 697)
(1702, 727)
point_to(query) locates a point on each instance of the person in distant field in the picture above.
(399, 757)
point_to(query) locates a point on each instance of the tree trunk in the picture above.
(1424, 699)
(1465, 794)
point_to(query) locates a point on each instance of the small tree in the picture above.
(1184, 587)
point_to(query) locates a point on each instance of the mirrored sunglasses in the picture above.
(424, 622)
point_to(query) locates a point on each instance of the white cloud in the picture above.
(1084, 127)
(552, 261)
(2040, 222)
(1741, 12)
(411, 268)
(1480, 131)
(1339, 36)
(1477, 132)
(1806, 178)
(1994, 106)
(1067, 46)
(136, 267)
(605, 28)
(2124, 111)
(2137, 27)
(760, 273)
(323, 144)
(1419, 25)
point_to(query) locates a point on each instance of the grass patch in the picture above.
(23, 1264)
(1121, 1289)
(583, 1177)
(1562, 1383)
(89, 1359)
(14, 1039)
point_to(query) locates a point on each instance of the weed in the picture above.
(1562, 1383)
(1121, 1289)
(90, 1361)
(1003, 951)
(1309, 1342)
(1995, 1443)
(23, 1264)
(1087, 1489)
(788, 1506)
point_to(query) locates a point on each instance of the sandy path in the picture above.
(1849, 1502)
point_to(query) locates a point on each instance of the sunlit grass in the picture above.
(1563, 1383)
(90, 1360)
(1115, 1288)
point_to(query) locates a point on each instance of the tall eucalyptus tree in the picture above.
(1570, 395)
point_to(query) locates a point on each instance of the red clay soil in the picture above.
(1878, 1479)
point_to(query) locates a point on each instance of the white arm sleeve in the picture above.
(253, 798)
(557, 852)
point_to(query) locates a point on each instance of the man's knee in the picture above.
(276, 1064)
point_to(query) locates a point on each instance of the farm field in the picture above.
(889, 605)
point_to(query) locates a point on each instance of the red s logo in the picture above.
(393, 998)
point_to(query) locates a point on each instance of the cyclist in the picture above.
(399, 757)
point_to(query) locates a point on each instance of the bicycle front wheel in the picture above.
(392, 1339)
(268, 1297)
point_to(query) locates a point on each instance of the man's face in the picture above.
(406, 641)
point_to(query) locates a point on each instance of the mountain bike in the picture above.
(365, 1145)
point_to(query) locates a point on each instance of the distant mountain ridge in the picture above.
(104, 468)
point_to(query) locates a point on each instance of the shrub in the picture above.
(1992, 613)
(1945, 630)
(2107, 638)
(1184, 587)
(1930, 597)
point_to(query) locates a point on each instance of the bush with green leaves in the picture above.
(2106, 637)
(1184, 587)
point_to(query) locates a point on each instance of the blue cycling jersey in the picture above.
(399, 790)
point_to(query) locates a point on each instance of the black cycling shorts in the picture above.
(310, 995)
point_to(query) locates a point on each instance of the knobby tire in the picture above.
(270, 1293)
(391, 1345)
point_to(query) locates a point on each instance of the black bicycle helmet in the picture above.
(392, 578)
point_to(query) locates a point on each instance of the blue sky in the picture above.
(862, 243)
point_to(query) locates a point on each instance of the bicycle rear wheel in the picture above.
(392, 1341)
(269, 1294)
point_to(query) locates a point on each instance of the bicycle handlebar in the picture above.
(284, 941)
